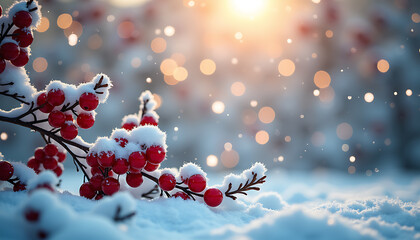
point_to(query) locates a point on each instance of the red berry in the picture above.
(42, 100)
(92, 160)
(150, 167)
(33, 163)
(9, 51)
(1, 11)
(23, 37)
(129, 126)
(88, 101)
(148, 120)
(58, 170)
(155, 154)
(121, 141)
(99, 196)
(45, 186)
(133, 170)
(39, 154)
(56, 118)
(85, 120)
(22, 59)
(50, 163)
(181, 195)
(197, 183)
(120, 166)
(96, 181)
(19, 187)
(213, 197)
(69, 116)
(50, 150)
(137, 160)
(31, 215)
(56, 97)
(87, 191)
(167, 182)
(22, 19)
(69, 131)
(6, 170)
(106, 159)
(2, 65)
(61, 156)
(134, 179)
(110, 186)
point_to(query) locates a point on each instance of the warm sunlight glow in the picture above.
(248, 7)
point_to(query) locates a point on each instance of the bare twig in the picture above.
(118, 218)
(245, 187)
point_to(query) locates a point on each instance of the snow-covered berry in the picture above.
(22, 19)
(155, 154)
(69, 131)
(33, 163)
(50, 163)
(150, 167)
(120, 166)
(92, 160)
(50, 149)
(181, 195)
(137, 160)
(56, 97)
(110, 186)
(148, 120)
(197, 183)
(106, 159)
(167, 182)
(129, 126)
(213, 197)
(42, 101)
(6, 170)
(58, 170)
(88, 101)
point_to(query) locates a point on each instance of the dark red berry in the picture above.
(148, 120)
(121, 141)
(45, 186)
(110, 186)
(150, 167)
(213, 197)
(23, 37)
(56, 118)
(19, 186)
(31, 215)
(50, 163)
(1, 10)
(129, 126)
(50, 150)
(87, 191)
(22, 19)
(42, 101)
(181, 195)
(106, 159)
(58, 170)
(96, 181)
(88, 101)
(56, 97)
(99, 196)
(197, 183)
(69, 131)
(155, 154)
(167, 182)
(85, 120)
(33, 163)
(134, 179)
(120, 166)
(92, 160)
(2, 65)
(61, 156)
(22, 59)
(137, 160)
(6, 170)
(133, 170)
(69, 116)
(39, 154)
(9, 51)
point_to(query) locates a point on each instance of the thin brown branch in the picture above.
(242, 188)
(119, 218)
(14, 96)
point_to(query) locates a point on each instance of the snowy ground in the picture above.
(295, 205)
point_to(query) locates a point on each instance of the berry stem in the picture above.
(14, 95)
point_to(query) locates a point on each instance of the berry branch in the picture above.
(152, 191)
(15, 96)
(246, 187)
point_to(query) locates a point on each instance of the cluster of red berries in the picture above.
(17, 54)
(6, 173)
(64, 120)
(48, 157)
(104, 164)
(213, 197)
(145, 120)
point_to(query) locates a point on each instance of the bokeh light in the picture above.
(262, 137)
(369, 97)
(344, 131)
(229, 159)
(40, 64)
(168, 66)
(322, 79)
(238, 89)
(286, 67)
(383, 66)
(64, 21)
(218, 107)
(180, 74)
(158, 45)
(266, 115)
(43, 25)
(207, 67)
(212, 161)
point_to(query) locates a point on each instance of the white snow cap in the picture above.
(120, 133)
(172, 171)
(23, 172)
(103, 144)
(102, 92)
(236, 180)
(189, 169)
(148, 135)
(45, 177)
(108, 207)
(132, 118)
(22, 6)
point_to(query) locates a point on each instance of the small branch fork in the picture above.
(245, 187)
(118, 218)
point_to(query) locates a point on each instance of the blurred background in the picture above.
(295, 84)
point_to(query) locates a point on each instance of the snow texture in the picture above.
(45, 177)
(23, 172)
(189, 169)
(22, 6)
(131, 118)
